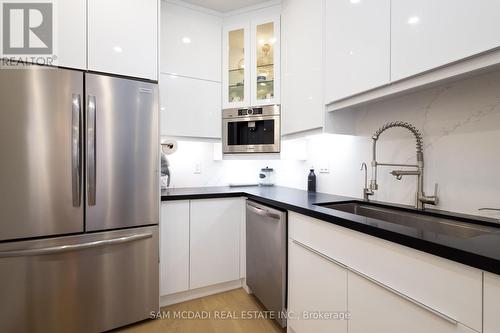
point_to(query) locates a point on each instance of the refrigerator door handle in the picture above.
(76, 156)
(91, 150)
(73, 247)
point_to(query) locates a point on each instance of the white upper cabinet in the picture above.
(190, 43)
(357, 47)
(427, 34)
(265, 65)
(251, 62)
(190, 107)
(302, 106)
(72, 35)
(123, 37)
(190, 78)
(236, 68)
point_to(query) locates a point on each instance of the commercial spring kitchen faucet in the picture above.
(420, 198)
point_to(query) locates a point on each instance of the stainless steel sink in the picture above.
(424, 223)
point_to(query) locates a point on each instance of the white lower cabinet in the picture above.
(375, 309)
(316, 285)
(491, 319)
(390, 287)
(174, 247)
(200, 244)
(215, 241)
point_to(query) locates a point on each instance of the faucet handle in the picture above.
(435, 196)
(430, 199)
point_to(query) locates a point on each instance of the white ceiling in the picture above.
(224, 5)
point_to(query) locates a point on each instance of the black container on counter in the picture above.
(311, 181)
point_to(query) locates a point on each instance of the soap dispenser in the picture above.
(311, 181)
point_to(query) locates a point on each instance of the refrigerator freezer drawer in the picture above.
(86, 283)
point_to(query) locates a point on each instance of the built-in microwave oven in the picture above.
(251, 130)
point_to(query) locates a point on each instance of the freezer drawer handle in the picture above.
(91, 150)
(73, 247)
(263, 212)
(76, 156)
(380, 284)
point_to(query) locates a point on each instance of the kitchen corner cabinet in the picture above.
(302, 34)
(491, 319)
(427, 34)
(251, 63)
(174, 247)
(123, 37)
(315, 284)
(215, 241)
(201, 243)
(358, 47)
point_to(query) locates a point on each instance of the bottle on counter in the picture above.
(311, 181)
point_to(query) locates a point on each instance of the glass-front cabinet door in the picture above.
(251, 71)
(236, 75)
(265, 74)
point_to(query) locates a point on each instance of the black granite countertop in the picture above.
(481, 251)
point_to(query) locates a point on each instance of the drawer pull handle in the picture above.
(380, 284)
(73, 247)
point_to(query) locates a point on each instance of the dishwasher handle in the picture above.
(263, 212)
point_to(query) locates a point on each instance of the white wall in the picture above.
(460, 123)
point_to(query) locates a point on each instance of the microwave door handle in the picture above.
(91, 150)
(76, 144)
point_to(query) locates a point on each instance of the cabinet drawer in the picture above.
(315, 284)
(491, 303)
(374, 309)
(448, 287)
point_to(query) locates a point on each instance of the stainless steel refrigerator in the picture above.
(79, 201)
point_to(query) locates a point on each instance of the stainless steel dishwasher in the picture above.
(266, 257)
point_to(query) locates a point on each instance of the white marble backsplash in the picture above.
(460, 123)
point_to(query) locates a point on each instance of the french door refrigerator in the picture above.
(79, 201)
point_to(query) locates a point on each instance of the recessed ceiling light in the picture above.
(355, 1)
(413, 20)
(117, 49)
(186, 40)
